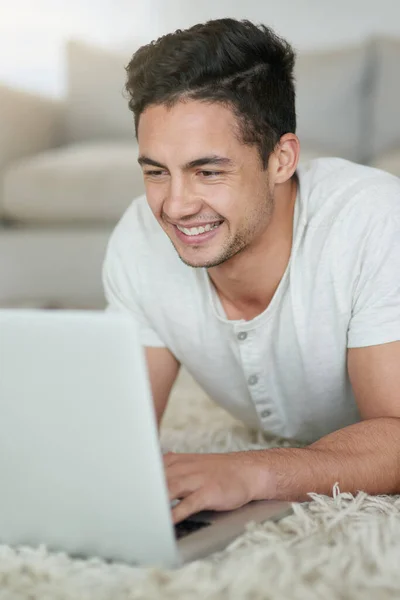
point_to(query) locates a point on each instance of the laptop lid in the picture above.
(80, 463)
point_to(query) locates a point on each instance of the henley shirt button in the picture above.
(242, 336)
(253, 379)
(265, 413)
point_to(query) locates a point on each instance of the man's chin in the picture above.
(200, 262)
(202, 256)
(197, 264)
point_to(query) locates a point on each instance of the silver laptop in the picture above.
(81, 467)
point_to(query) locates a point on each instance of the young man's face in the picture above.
(208, 190)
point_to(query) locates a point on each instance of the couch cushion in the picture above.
(76, 184)
(58, 266)
(95, 104)
(331, 100)
(390, 162)
(385, 120)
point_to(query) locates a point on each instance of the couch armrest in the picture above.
(28, 124)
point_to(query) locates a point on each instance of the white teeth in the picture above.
(198, 230)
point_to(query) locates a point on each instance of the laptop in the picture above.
(81, 466)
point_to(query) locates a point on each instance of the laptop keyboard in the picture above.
(188, 526)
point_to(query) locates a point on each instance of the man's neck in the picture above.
(247, 283)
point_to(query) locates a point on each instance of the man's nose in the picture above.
(181, 202)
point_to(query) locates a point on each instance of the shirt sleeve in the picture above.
(375, 315)
(122, 296)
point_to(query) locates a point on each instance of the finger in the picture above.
(189, 506)
(180, 487)
(172, 458)
(168, 457)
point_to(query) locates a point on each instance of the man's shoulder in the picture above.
(334, 189)
(351, 219)
(137, 224)
(335, 175)
(139, 235)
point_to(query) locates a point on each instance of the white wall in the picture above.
(307, 24)
(33, 32)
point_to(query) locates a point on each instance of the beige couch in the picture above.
(68, 168)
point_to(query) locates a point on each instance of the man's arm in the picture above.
(163, 369)
(364, 456)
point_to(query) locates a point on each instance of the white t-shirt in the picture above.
(285, 370)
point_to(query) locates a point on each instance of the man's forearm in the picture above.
(364, 456)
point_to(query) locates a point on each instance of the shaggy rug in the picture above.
(342, 547)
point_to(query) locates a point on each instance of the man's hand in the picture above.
(363, 456)
(212, 481)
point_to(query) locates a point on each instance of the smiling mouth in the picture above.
(193, 231)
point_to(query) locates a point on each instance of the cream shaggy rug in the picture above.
(341, 547)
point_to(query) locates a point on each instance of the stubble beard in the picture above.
(240, 242)
(231, 249)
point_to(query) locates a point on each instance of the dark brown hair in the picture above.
(244, 66)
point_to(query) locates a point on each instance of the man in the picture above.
(277, 287)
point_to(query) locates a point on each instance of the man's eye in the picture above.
(209, 174)
(154, 173)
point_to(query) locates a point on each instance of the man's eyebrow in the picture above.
(145, 160)
(209, 160)
(193, 164)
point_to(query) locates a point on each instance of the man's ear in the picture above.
(284, 159)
